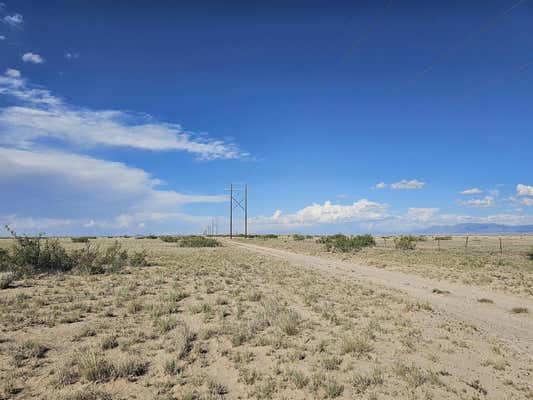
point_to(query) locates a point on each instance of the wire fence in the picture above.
(482, 244)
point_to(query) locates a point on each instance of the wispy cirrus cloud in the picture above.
(43, 115)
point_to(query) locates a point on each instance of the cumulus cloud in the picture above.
(14, 20)
(407, 185)
(381, 185)
(32, 58)
(524, 190)
(43, 115)
(77, 189)
(2, 37)
(472, 191)
(327, 213)
(12, 73)
(486, 202)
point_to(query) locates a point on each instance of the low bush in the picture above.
(443, 238)
(298, 237)
(138, 259)
(6, 278)
(39, 254)
(198, 241)
(345, 244)
(530, 254)
(405, 242)
(169, 239)
(269, 236)
(82, 239)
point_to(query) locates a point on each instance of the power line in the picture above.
(238, 198)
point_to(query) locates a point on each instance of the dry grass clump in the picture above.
(416, 376)
(357, 345)
(131, 368)
(277, 314)
(362, 382)
(27, 350)
(95, 367)
(164, 324)
(89, 393)
(183, 341)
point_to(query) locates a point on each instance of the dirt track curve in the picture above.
(461, 302)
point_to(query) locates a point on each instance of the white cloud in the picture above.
(327, 213)
(526, 201)
(71, 56)
(524, 190)
(44, 115)
(2, 37)
(381, 185)
(80, 189)
(12, 73)
(35, 224)
(406, 185)
(14, 20)
(486, 202)
(32, 58)
(472, 191)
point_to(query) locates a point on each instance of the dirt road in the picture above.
(460, 301)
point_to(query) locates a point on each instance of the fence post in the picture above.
(466, 244)
(501, 248)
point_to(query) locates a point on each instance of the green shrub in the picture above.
(269, 236)
(138, 259)
(530, 254)
(345, 244)
(115, 257)
(6, 278)
(91, 260)
(198, 241)
(82, 239)
(39, 254)
(405, 242)
(169, 239)
(298, 237)
(88, 261)
(443, 238)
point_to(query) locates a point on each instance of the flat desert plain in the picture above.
(238, 322)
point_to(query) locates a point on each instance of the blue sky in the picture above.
(125, 117)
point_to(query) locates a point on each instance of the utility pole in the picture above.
(241, 201)
(231, 211)
(246, 211)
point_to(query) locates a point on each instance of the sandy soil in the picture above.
(495, 318)
(228, 323)
(480, 264)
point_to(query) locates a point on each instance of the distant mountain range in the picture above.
(479, 229)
